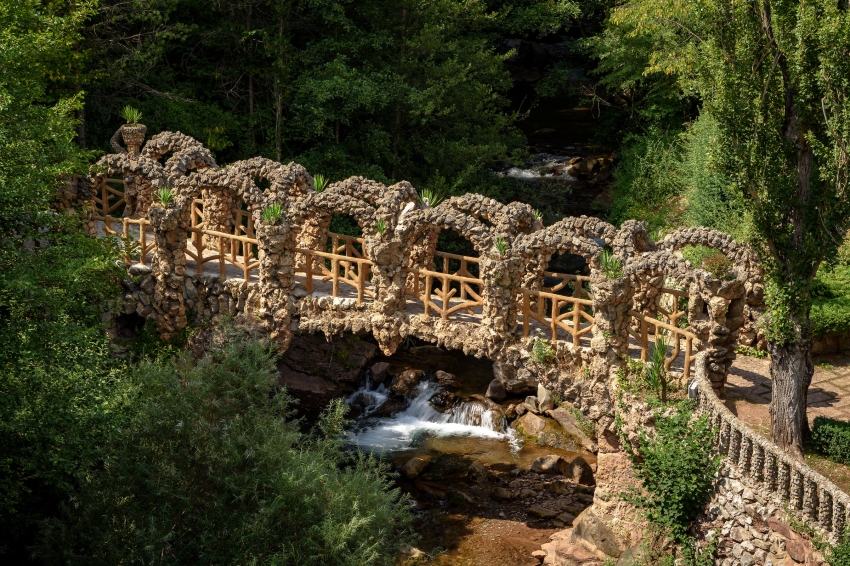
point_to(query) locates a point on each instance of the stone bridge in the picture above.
(251, 240)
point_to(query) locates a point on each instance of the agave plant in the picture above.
(501, 245)
(164, 196)
(381, 226)
(430, 198)
(131, 115)
(320, 182)
(656, 375)
(612, 266)
(537, 214)
(272, 213)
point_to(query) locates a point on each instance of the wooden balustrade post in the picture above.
(554, 320)
(335, 277)
(426, 297)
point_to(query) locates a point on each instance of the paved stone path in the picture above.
(748, 389)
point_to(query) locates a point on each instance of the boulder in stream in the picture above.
(545, 402)
(496, 390)
(580, 472)
(405, 383)
(531, 403)
(551, 464)
(446, 379)
(530, 424)
(413, 467)
(571, 425)
(443, 400)
(379, 371)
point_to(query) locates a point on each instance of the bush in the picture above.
(831, 437)
(839, 555)
(676, 466)
(831, 301)
(542, 352)
(210, 469)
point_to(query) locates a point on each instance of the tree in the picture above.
(775, 75)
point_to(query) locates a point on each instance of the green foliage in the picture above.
(839, 554)
(656, 373)
(587, 426)
(831, 437)
(430, 198)
(719, 266)
(381, 226)
(164, 196)
(210, 468)
(501, 246)
(831, 301)
(542, 352)
(676, 466)
(131, 115)
(273, 213)
(612, 265)
(752, 352)
(320, 182)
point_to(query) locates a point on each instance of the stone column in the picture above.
(169, 267)
(314, 236)
(502, 275)
(277, 272)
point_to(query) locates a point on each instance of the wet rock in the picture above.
(531, 403)
(496, 390)
(570, 424)
(559, 487)
(551, 464)
(443, 400)
(545, 402)
(579, 471)
(510, 412)
(566, 518)
(430, 489)
(501, 494)
(520, 409)
(406, 382)
(446, 379)
(542, 512)
(530, 424)
(413, 467)
(477, 472)
(380, 371)
(389, 408)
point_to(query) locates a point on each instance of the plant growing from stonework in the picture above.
(320, 183)
(430, 198)
(656, 373)
(537, 214)
(164, 196)
(501, 245)
(542, 352)
(381, 226)
(611, 265)
(131, 115)
(272, 213)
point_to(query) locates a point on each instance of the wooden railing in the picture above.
(580, 284)
(336, 269)
(421, 287)
(556, 312)
(237, 248)
(678, 335)
(107, 200)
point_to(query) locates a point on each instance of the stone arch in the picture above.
(413, 224)
(508, 220)
(140, 175)
(287, 183)
(188, 154)
(741, 255)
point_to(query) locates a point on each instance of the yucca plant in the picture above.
(612, 266)
(432, 198)
(501, 245)
(320, 183)
(381, 226)
(272, 213)
(131, 115)
(656, 375)
(164, 196)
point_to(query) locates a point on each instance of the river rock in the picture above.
(501, 494)
(523, 384)
(580, 472)
(443, 400)
(446, 379)
(520, 409)
(551, 464)
(542, 512)
(530, 424)
(389, 408)
(496, 390)
(566, 518)
(531, 403)
(510, 412)
(570, 424)
(545, 402)
(379, 371)
(413, 467)
(406, 382)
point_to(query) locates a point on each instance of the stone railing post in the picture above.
(501, 275)
(277, 279)
(169, 267)
(609, 344)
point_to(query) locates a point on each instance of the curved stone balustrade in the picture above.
(388, 281)
(812, 497)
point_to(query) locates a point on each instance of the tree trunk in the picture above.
(791, 370)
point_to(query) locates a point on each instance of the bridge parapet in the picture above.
(393, 281)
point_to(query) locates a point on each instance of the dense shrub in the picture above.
(210, 469)
(676, 467)
(832, 438)
(831, 301)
